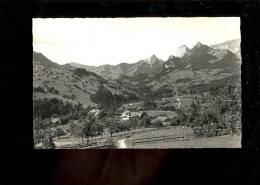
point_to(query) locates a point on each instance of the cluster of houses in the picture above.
(126, 115)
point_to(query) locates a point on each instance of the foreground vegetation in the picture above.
(208, 115)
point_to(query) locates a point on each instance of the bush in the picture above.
(158, 124)
(38, 89)
(59, 132)
(149, 105)
(53, 90)
(71, 97)
(75, 129)
(75, 85)
(183, 80)
(64, 119)
(169, 108)
(80, 72)
(46, 139)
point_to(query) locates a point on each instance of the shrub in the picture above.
(38, 89)
(59, 132)
(71, 97)
(75, 85)
(47, 140)
(64, 119)
(53, 90)
(168, 108)
(158, 124)
(149, 105)
(183, 80)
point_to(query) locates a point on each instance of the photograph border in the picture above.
(241, 164)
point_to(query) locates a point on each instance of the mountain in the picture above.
(193, 68)
(198, 66)
(106, 71)
(71, 84)
(182, 50)
(40, 58)
(231, 45)
(202, 65)
(149, 65)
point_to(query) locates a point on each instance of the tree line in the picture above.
(105, 98)
(224, 112)
(48, 107)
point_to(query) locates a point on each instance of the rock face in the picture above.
(231, 45)
(198, 66)
(183, 50)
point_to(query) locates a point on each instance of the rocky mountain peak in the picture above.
(182, 50)
(152, 59)
(171, 57)
(197, 45)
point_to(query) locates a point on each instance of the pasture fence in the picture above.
(175, 137)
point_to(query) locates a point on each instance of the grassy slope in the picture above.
(64, 80)
(212, 142)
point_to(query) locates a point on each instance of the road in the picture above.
(121, 143)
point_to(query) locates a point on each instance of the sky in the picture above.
(98, 41)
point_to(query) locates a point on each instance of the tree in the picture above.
(145, 120)
(183, 116)
(158, 124)
(47, 141)
(194, 110)
(46, 107)
(99, 128)
(90, 127)
(76, 129)
(41, 131)
(149, 105)
(112, 125)
(59, 132)
(133, 122)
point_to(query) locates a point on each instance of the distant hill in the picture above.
(231, 45)
(150, 65)
(42, 60)
(192, 69)
(70, 84)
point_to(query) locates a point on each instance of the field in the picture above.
(155, 113)
(125, 139)
(211, 142)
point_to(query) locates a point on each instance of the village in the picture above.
(159, 133)
(177, 95)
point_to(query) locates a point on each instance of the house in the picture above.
(163, 119)
(55, 120)
(128, 114)
(95, 112)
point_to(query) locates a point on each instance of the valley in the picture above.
(197, 92)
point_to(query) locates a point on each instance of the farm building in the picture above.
(94, 111)
(128, 114)
(55, 120)
(163, 119)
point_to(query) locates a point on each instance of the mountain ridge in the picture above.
(202, 64)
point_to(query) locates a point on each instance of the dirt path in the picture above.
(121, 143)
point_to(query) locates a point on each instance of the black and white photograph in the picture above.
(136, 83)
